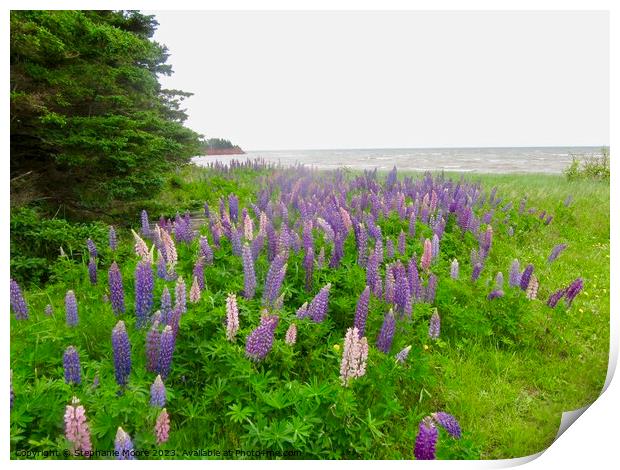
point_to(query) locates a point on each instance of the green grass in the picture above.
(506, 368)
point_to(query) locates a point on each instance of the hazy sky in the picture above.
(296, 80)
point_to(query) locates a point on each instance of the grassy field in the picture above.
(507, 379)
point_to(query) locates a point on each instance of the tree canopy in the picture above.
(91, 126)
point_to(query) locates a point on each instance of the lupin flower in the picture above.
(92, 248)
(454, 269)
(71, 363)
(144, 292)
(117, 294)
(302, 311)
(390, 282)
(401, 357)
(232, 317)
(573, 289)
(18, 304)
(260, 341)
(123, 446)
(249, 275)
(291, 334)
(495, 294)
(317, 310)
(448, 422)
(361, 311)
(205, 250)
(426, 440)
(92, 271)
(435, 246)
(140, 246)
(48, 310)
(194, 291)
(152, 347)
(248, 227)
(389, 249)
(162, 427)
(354, 356)
(525, 276)
(320, 260)
(555, 297)
(166, 349)
(122, 353)
(112, 238)
(199, 273)
(431, 288)
(180, 299)
(426, 255)
(71, 309)
(475, 273)
(556, 252)
(402, 241)
(532, 288)
(165, 305)
(308, 265)
(515, 274)
(386, 335)
(76, 428)
(435, 325)
(158, 393)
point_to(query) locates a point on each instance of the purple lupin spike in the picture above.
(260, 341)
(92, 271)
(117, 294)
(199, 273)
(92, 248)
(166, 349)
(144, 292)
(249, 276)
(122, 353)
(71, 309)
(308, 265)
(71, 363)
(555, 252)
(165, 305)
(317, 310)
(525, 276)
(361, 311)
(555, 297)
(386, 335)
(402, 241)
(426, 440)
(434, 327)
(123, 446)
(573, 289)
(158, 393)
(152, 347)
(448, 422)
(112, 238)
(18, 304)
(515, 274)
(431, 288)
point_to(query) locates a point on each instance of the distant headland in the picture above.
(216, 146)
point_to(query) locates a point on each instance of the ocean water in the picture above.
(482, 160)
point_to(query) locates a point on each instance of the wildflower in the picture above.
(515, 274)
(389, 249)
(434, 325)
(260, 341)
(248, 272)
(499, 280)
(386, 335)
(525, 276)
(165, 305)
(169, 249)
(308, 265)
(122, 353)
(361, 311)
(495, 294)
(18, 304)
(402, 240)
(205, 250)
(162, 427)
(555, 297)
(475, 273)
(248, 227)
(112, 238)
(158, 393)
(117, 294)
(194, 291)
(320, 260)
(71, 311)
(291, 334)
(199, 273)
(92, 248)
(152, 347)
(426, 255)
(232, 317)
(401, 357)
(426, 440)
(302, 311)
(573, 289)
(123, 446)
(435, 246)
(431, 288)
(48, 310)
(144, 219)
(144, 292)
(180, 299)
(71, 363)
(317, 310)
(354, 356)
(389, 284)
(92, 271)
(448, 422)
(532, 288)
(76, 428)
(454, 269)
(555, 252)
(166, 349)
(140, 246)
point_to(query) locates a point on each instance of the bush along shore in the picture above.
(314, 314)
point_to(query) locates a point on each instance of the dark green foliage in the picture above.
(589, 167)
(91, 128)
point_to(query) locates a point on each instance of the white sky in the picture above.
(301, 80)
